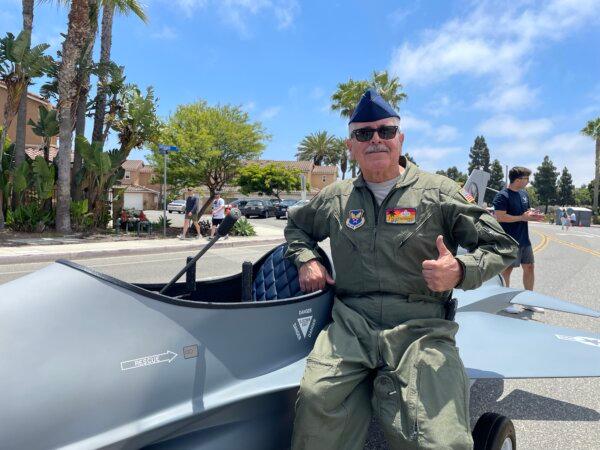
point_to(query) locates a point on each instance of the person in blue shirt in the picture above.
(513, 211)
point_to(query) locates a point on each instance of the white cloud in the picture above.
(495, 41)
(238, 12)
(442, 133)
(440, 105)
(505, 98)
(428, 157)
(510, 127)
(249, 106)
(189, 7)
(445, 133)
(270, 113)
(165, 33)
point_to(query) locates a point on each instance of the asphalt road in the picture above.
(547, 413)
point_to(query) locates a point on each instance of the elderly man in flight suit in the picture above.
(390, 348)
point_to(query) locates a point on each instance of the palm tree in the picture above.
(22, 111)
(317, 146)
(123, 7)
(18, 65)
(72, 52)
(339, 155)
(592, 129)
(348, 94)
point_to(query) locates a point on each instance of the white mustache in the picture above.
(375, 148)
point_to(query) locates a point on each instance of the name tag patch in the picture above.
(401, 216)
(356, 218)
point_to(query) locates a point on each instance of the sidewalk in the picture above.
(71, 249)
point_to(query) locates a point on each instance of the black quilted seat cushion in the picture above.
(277, 278)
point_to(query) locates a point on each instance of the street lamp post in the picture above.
(164, 150)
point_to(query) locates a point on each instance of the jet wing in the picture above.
(493, 346)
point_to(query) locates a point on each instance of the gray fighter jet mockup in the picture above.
(90, 361)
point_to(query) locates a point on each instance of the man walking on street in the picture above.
(192, 205)
(218, 214)
(390, 348)
(512, 209)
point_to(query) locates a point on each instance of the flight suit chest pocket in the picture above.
(417, 230)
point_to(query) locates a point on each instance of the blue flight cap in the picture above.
(372, 107)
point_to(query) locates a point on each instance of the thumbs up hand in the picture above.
(444, 273)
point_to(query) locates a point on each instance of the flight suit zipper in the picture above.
(377, 209)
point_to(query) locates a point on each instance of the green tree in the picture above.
(213, 141)
(496, 181)
(582, 196)
(338, 155)
(534, 199)
(544, 182)
(18, 65)
(454, 174)
(317, 147)
(270, 179)
(109, 8)
(479, 155)
(347, 95)
(46, 127)
(592, 129)
(566, 188)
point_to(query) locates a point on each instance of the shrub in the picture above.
(243, 228)
(29, 218)
(81, 219)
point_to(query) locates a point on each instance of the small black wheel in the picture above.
(247, 216)
(494, 432)
(170, 212)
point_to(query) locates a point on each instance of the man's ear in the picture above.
(350, 153)
(401, 138)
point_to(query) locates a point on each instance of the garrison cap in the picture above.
(372, 107)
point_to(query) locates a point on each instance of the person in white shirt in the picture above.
(218, 214)
(573, 219)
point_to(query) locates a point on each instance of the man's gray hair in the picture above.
(352, 126)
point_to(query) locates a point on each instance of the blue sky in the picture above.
(526, 76)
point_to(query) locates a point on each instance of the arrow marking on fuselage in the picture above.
(148, 360)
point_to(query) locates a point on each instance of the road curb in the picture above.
(86, 254)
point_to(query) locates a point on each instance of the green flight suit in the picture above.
(389, 345)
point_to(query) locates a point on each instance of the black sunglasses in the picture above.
(366, 134)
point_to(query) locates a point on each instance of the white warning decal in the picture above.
(581, 339)
(304, 323)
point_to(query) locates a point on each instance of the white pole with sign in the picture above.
(303, 185)
(164, 150)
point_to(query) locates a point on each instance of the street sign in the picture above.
(164, 149)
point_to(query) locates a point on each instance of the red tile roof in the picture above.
(325, 169)
(34, 151)
(133, 164)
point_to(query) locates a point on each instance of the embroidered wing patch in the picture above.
(356, 218)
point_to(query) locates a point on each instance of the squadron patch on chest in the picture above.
(401, 216)
(356, 218)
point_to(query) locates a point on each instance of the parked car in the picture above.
(282, 207)
(261, 208)
(298, 204)
(176, 205)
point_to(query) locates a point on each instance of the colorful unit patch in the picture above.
(356, 219)
(467, 195)
(402, 216)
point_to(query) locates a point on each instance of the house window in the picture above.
(127, 174)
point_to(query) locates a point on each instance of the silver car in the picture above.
(176, 205)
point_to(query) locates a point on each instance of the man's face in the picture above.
(522, 182)
(376, 155)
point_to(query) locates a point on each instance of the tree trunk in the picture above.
(105, 47)
(83, 89)
(2, 143)
(73, 46)
(22, 113)
(596, 178)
